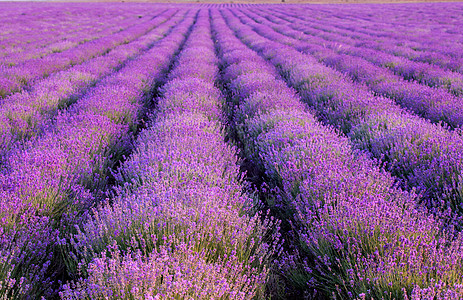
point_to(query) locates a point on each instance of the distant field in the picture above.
(231, 151)
(269, 1)
(281, 1)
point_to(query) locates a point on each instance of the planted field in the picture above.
(154, 151)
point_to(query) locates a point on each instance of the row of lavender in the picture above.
(178, 227)
(376, 69)
(385, 48)
(59, 30)
(25, 115)
(49, 183)
(356, 234)
(30, 67)
(424, 155)
(36, 30)
(435, 36)
(349, 41)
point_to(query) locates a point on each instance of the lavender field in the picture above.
(234, 151)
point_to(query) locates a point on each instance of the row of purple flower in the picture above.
(425, 156)
(49, 183)
(26, 72)
(31, 32)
